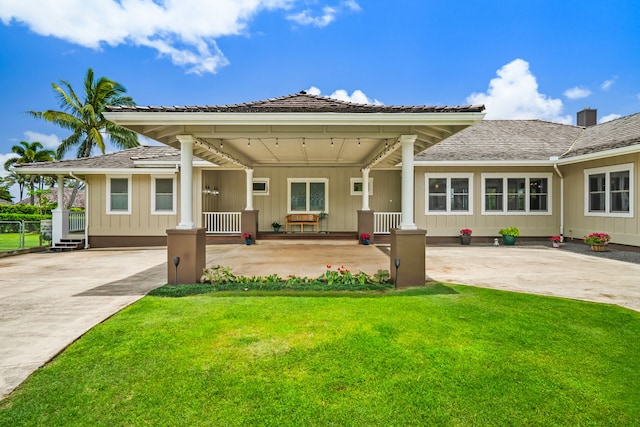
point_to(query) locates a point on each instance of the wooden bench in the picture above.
(302, 220)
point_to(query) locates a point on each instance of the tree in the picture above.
(85, 120)
(14, 178)
(29, 152)
(4, 190)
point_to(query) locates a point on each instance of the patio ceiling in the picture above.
(299, 134)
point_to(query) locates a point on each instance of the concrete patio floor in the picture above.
(48, 300)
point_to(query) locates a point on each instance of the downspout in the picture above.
(555, 166)
(86, 209)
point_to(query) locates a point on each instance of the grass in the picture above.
(442, 355)
(11, 241)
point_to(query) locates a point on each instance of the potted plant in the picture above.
(276, 226)
(247, 238)
(555, 241)
(465, 236)
(598, 241)
(509, 235)
(364, 237)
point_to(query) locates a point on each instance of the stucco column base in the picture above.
(60, 224)
(409, 246)
(249, 223)
(190, 246)
(365, 224)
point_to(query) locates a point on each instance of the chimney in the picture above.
(587, 117)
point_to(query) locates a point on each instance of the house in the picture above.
(371, 169)
(255, 163)
(544, 178)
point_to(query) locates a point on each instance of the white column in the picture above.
(406, 222)
(249, 189)
(60, 215)
(365, 189)
(186, 182)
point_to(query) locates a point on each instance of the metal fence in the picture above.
(24, 234)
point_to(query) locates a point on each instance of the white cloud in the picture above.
(357, 96)
(326, 16)
(184, 31)
(577, 92)
(607, 84)
(4, 158)
(609, 117)
(50, 141)
(514, 95)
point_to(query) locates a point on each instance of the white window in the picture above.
(514, 194)
(608, 191)
(307, 195)
(356, 186)
(119, 195)
(449, 194)
(163, 195)
(261, 186)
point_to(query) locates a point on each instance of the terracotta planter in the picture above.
(465, 240)
(599, 247)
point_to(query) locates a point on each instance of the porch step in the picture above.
(68, 244)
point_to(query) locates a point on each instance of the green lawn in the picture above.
(11, 241)
(444, 355)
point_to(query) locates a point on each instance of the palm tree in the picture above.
(5, 194)
(14, 178)
(29, 152)
(85, 120)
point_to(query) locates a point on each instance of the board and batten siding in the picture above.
(140, 222)
(485, 225)
(343, 207)
(625, 231)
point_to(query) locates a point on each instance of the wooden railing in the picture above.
(76, 221)
(222, 222)
(383, 222)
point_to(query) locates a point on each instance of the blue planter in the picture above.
(365, 241)
(508, 240)
(247, 241)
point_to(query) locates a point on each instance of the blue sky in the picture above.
(543, 59)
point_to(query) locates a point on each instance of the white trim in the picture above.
(607, 170)
(632, 149)
(497, 163)
(447, 177)
(267, 186)
(308, 181)
(354, 180)
(129, 118)
(95, 171)
(527, 176)
(174, 189)
(108, 192)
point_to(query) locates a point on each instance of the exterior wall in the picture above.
(577, 225)
(485, 225)
(343, 206)
(140, 222)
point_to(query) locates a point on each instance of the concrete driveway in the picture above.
(48, 300)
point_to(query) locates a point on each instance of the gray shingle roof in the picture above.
(300, 103)
(619, 133)
(504, 140)
(121, 160)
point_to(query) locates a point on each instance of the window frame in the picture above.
(110, 211)
(259, 192)
(308, 181)
(607, 171)
(154, 210)
(505, 193)
(447, 177)
(355, 180)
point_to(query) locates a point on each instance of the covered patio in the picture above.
(300, 151)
